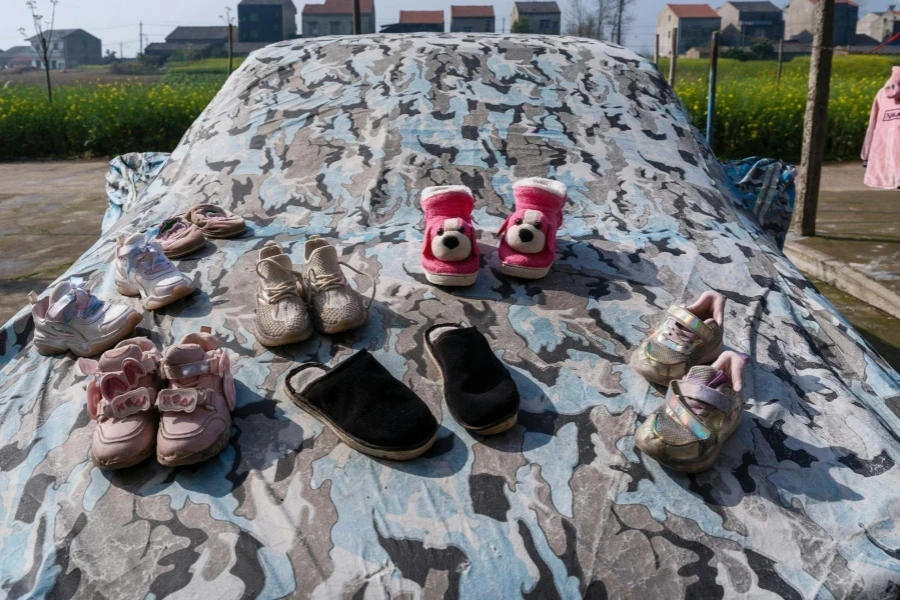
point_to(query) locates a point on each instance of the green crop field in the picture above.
(754, 115)
(757, 117)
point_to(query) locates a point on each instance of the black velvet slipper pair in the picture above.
(374, 413)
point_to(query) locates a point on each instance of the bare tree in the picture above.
(42, 40)
(585, 20)
(620, 20)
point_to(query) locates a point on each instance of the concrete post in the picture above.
(674, 57)
(815, 121)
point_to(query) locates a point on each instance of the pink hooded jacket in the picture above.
(882, 146)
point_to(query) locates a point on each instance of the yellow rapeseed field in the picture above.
(755, 116)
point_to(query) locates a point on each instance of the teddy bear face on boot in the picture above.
(451, 241)
(527, 232)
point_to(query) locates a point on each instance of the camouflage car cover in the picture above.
(336, 137)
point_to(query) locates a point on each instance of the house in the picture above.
(192, 42)
(472, 18)
(335, 17)
(743, 22)
(70, 48)
(266, 21)
(800, 16)
(543, 17)
(880, 25)
(412, 21)
(18, 57)
(695, 23)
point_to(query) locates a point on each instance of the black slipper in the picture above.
(365, 406)
(478, 388)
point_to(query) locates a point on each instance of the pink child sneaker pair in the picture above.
(450, 253)
(186, 421)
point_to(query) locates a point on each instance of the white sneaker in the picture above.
(335, 306)
(71, 318)
(143, 270)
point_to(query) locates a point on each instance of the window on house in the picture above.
(314, 28)
(56, 45)
(254, 34)
(467, 29)
(488, 25)
(335, 27)
(53, 64)
(545, 23)
(670, 18)
(254, 17)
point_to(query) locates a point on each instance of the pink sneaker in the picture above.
(195, 421)
(121, 394)
(215, 222)
(528, 245)
(179, 237)
(450, 253)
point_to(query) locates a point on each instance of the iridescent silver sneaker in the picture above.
(700, 413)
(335, 306)
(690, 336)
(281, 313)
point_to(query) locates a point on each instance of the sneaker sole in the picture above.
(355, 443)
(282, 340)
(225, 236)
(112, 465)
(191, 250)
(451, 280)
(198, 457)
(155, 302)
(94, 348)
(492, 429)
(524, 272)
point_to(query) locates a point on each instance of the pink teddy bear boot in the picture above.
(121, 397)
(450, 253)
(528, 237)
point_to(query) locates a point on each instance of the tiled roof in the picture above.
(421, 17)
(471, 12)
(693, 11)
(338, 7)
(530, 8)
(252, 2)
(214, 32)
(755, 6)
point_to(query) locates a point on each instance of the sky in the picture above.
(116, 22)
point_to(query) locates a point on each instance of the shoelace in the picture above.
(323, 283)
(146, 259)
(678, 334)
(71, 298)
(278, 292)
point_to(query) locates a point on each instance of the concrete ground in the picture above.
(859, 226)
(50, 213)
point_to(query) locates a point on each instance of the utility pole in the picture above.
(357, 18)
(121, 51)
(674, 57)
(815, 121)
(227, 19)
(780, 58)
(711, 96)
(141, 38)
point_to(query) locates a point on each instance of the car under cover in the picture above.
(336, 137)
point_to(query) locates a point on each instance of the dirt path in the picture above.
(50, 213)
